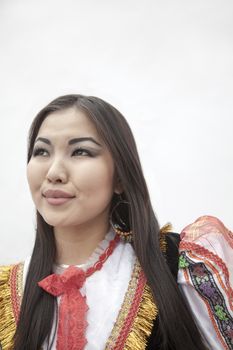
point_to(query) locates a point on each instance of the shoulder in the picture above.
(10, 293)
(207, 239)
(169, 244)
(7, 272)
(207, 229)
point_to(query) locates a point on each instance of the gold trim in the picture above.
(20, 282)
(166, 228)
(123, 313)
(7, 320)
(163, 232)
(138, 332)
(143, 323)
(140, 322)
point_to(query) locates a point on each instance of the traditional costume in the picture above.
(114, 305)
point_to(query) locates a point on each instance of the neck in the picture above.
(75, 244)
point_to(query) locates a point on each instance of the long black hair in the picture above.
(176, 324)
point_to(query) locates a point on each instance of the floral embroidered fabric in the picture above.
(205, 277)
(204, 283)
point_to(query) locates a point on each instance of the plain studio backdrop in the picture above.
(166, 65)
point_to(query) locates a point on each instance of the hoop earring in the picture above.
(119, 225)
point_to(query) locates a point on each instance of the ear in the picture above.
(118, 189)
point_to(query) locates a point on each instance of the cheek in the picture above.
(30, 176)
(33, 177)
(96, 180)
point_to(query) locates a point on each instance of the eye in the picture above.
(40, 152)
(82, 152)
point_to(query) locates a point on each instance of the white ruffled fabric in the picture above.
(105, 290)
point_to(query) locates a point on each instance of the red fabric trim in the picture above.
(132, 313)
(98, 265)
(72, 329)
(194, 247)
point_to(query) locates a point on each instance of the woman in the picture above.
(102, 274)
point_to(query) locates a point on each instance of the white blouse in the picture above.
(104, 290)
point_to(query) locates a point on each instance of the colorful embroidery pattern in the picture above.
(204, 283)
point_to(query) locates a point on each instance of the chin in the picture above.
(57, 222)
(52, 221)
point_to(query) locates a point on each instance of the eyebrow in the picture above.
(71, 142)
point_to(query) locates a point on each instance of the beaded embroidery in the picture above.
(204, 283)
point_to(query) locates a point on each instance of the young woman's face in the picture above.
(69, 156)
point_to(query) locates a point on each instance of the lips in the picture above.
(57, 194)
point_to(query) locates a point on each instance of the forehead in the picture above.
(66, 123)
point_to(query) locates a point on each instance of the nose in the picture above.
(57, 173)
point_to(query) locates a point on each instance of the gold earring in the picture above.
(118, 223)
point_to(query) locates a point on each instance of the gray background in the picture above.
(166, 65)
